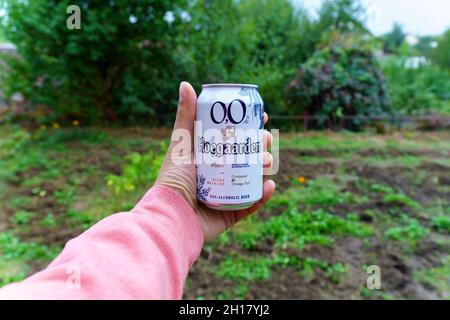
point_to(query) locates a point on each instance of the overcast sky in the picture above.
(420, 17)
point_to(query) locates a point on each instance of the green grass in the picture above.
(139, 170)
(438, 277)
(321, 191)
(366, 293)
(311, 159)
(245, 268)
(12, 248)
(401, 200)
(15, 256)
(51, 165)
(2, 35)
(49, 221)
(407, 161)
(410, 231)
(84, 175)
(299, 229)
(348, 141)
(322, 141)
(19, 201)
(292, 229)
(441, 223)
(21, 217)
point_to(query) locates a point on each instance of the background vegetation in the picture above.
(85, 118)
(123, 66)
(344, 201)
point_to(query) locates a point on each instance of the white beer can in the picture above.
(228, 146)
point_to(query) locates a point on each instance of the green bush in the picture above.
(118, 66)
(341, 79)
(441, 223)
(421, 90)
(12, 248)
(254, 41)
(400, 199)
(393, 40)
(440, 54)
(2, 34)
(21, 217)
(411, 231)
(141, 170)
(125, 63)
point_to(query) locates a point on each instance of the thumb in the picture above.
(187, 107)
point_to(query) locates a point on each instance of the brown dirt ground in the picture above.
(285, 283)
(396, 265)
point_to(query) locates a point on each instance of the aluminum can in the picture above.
(228, 146)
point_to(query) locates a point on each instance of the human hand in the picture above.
(182, 177)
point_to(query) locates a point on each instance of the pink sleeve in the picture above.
(143, 254)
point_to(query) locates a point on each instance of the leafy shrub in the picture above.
(416, 91)
(141, 170)
(318, 226)
(123, 64)
(13, 141)
(248, 269)
(254, 41)
(323, 192)
(22, 217)
(380, 188)
(412, 231)
(440, 54)
(393, 40)
(240, 268)
(341, 79)
(110, 69)
(400, 199)
(7, 279)
(49, 221)
(441, 223)
(11, 248)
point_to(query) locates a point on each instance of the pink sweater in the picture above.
(143, 254)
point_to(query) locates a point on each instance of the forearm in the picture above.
(143, 254)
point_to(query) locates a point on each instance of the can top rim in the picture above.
(209, 85)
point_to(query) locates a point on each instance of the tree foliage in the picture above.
(254, 41)
(342, 79)
(421, 90)
(342, 15)
(125, 63)
(441, 55)
(107, 69)
(393, 40)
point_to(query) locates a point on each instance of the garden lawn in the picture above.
(344, 202)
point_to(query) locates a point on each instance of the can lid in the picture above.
(209, 85)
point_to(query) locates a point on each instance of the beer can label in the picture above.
(228, 144)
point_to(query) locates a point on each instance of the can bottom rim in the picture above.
(228, 207)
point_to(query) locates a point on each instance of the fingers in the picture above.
(268, 190)
(267, 159)
(267, 140)
(267, 136)
(187, 107)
